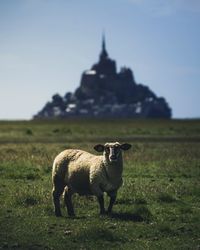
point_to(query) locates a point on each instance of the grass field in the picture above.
(158, 206)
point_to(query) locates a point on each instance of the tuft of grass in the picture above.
(32, 175)
(20, 170)
(26, 200)
(99, 234)
(165, 229)
(165, 197)
(140, 213)
(143, 213)
(140, 201)
(56, 130)
(30, 201)
(29, 131)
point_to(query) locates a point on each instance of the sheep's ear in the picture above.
(125, 146)
(99, 148)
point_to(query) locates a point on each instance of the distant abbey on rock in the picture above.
(106, 93)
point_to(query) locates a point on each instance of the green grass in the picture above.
(158, 206)
(99, 130)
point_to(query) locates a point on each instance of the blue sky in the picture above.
(45, 45)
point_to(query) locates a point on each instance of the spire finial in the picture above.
(103, 42)
(104, 53)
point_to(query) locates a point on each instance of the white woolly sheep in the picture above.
(77, 171)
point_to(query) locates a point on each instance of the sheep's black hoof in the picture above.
(71, 215)
(109, 211)
(103, 213)
(58, 214)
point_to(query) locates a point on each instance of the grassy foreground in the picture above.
(158, 206)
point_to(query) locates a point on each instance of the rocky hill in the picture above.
(106, 93)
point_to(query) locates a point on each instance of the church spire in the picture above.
(104, 53)
(103, 42)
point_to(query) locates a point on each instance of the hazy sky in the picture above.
(45, 45)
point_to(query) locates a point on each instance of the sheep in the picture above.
(77, 171)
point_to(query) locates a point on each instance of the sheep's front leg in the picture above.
(101, 204)
(112, 196)
(68, 201)
(97, 191)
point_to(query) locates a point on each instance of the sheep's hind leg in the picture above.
(56, 199)
(68, 201)
(58, 188)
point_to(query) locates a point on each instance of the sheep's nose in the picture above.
(113, 158)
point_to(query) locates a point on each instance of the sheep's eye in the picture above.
(107, 149)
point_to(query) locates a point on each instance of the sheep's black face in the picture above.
(112, 151)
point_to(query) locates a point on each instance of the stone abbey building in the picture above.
(106, 93)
